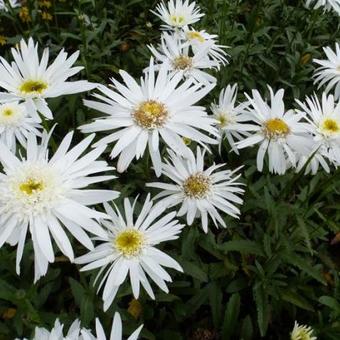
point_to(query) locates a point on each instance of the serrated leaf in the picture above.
(230, 316)
(242, 246)
(192, 269)
(302, 264)
(297, 300)
(247, 329)
(262, 308)
(215, 300)
(331, 303)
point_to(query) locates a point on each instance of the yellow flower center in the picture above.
(177, 20)
(302, 333)
(196, 186)
(223, 119)
(276, 127)
(150, 114)
(194, 35)
(31, 186)
(7, 112)
(186, 140)
(182, 62)
(330, 126)
(35, 87)
(11, 115)
(129, 242)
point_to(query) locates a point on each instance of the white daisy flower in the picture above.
(327, 4)
(302, 332)
(116, 331)
(15, 125)
(57, 332)
(200, 192)
(230, 117)
(75, 332)
(280, 133)
(177, 14)
(44, 195)
(159, 108)
(324, 125)
(12, 3)
(198, 39)
(329, 70)
(128, 248)
(33, 81)
(317, 157)
(177, 56)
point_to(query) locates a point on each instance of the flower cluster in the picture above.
(302, 332)
(327, 5)
(49, 194)
(184, 50)
(75, 332)
(12, 3)
(305, 137)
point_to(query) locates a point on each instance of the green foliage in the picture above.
(274, 265)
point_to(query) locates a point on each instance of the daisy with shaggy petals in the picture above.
(32, 80)
(198, 39)
(16, 124)
(324, 125)
(45, 195)
(116, 331)
(280, 133)
(180, 59)
(177, 14)
(230, 117)
(75, 332)
(326, 4)
(160, 108)
(329, 70)
(200, 192)
(12, 3)
(56, 332)
(302, 332)
(128, 249)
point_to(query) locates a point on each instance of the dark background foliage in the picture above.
(278, 263)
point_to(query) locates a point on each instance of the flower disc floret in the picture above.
(194, 35)
(150, 114)
(129, 242)
(177, 20)
(182, 62)
(31, 186)
(33, 87)
(197, 186)
(330, 126)
(33, 189)
(11, 114)
(275, 128)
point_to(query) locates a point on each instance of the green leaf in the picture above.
(87, 309)
(78, 291)
(305, 233)
(247, 328)
(303, 264)
(192, 269)
(297, 300)
(231, 316)
(262, 307)
(242, 246)
(331, 303)
(215, 300)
